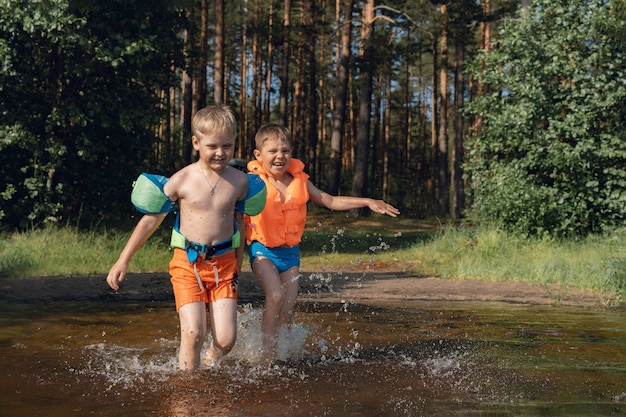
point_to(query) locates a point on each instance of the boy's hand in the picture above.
(379, 206)
(117, 275)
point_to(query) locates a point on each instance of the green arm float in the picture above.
(148, 195)
(254, 202)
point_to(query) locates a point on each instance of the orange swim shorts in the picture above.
(218, 276)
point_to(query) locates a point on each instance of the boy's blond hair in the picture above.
(271, 131)
(214, 119)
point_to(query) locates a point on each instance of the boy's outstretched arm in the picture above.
(144, 229)
(342, 203)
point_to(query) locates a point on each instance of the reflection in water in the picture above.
(452, 359)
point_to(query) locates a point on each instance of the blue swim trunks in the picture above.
(282, 258)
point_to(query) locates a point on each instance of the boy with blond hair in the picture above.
(207, 255)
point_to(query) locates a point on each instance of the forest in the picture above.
(494, 110)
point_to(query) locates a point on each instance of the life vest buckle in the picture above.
(207, 250)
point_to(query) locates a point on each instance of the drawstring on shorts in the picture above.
(215, 271)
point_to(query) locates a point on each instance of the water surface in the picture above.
(393, 359)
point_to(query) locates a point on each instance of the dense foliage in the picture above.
(92, 93)
(78, 103)
(550, 155)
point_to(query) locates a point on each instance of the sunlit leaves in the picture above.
(550, 157)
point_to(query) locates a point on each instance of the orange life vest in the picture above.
(281, 222)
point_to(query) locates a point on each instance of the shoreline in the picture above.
(371, 287)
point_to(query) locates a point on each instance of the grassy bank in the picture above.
(334, 241)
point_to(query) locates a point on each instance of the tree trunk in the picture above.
(322, 91)
(386, 137)
(443, 199)
(339, 115)
(245, 146)
(172, 145)
(186, 104)
(267, 90)
(199, 77)
(312, 99)
(359, 181)
(408, 119)
(375, 139)
(284, 82)
(434, 130)
(257, 68)
(218, 78)
(484, 44)
(458, 196)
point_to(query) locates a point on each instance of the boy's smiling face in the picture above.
(275, 155)
(215, 150)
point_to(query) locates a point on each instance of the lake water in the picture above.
(415, 358)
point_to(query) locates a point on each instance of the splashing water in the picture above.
(289, 345)
(128, 368)
(338, 359)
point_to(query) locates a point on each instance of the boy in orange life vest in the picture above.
(273, 236)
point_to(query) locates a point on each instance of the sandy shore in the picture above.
(370, 287)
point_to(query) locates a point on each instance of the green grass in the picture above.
(596, 263)
(336, 241)
(68, 251)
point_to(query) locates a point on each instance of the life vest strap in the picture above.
(208, 250)
(195, 249)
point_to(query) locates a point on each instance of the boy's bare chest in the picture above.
(202, 196)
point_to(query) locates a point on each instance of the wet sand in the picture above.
(359, 287)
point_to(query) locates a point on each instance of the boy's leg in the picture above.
(269, 279)
(223, 317)
(192, 334)
(290, 283)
